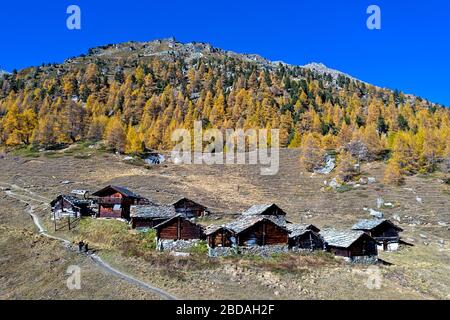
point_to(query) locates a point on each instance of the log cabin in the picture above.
(258, 231)
(179, 228)
(66, 205)
(304, 237)
(350, 244)
(260, 225)
(271, 211)
(149, 216)
(220, 236)
(189, 208)
(264, 210)
(383, 231)
(115, 202)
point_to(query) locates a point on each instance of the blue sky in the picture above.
(411, 52)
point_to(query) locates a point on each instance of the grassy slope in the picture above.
(33, 267)
(419, 272)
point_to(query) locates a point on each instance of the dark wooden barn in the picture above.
(115, 202)
(258, 231)
(66, 205)
(179, 228)
(189, 208)
(264, 210)
(305, 237)
(149, 216)
(271, 211)
(382, 230)
(349, 243)
(220, 237)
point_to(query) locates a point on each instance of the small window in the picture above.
(117, 207)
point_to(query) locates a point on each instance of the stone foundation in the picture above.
(264, 251)
(297, 249)
(363, 259)
(176, 245)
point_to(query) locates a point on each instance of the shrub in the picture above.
(393, 174)
(28, 152)
(346, 167)
(344, 188)
(148, 239)
(312, 154)
(200, 248)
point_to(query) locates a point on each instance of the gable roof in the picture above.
(243, 223)
(122, 190)
(162, 224)
(187, 200)
(297, 232)
(307, 226)
(152, 211)
(71, 199)
(261, 209)
(214, 228)
(370, 224)
(300, 229)
(342, 238)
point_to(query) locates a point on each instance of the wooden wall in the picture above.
(145, 223)
(340, 252)
(385, 231)
(263, 233)
(108, 212)
(180, 229)
(274, 210)
(364, 246)
(308, 240)
(190, 209)
(106, 206)
(221, 238)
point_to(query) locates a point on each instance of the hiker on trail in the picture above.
(80, 246)
(86, 248)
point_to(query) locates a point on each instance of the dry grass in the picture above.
(419, 272)
(34, 267)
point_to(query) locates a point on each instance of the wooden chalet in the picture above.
(149, 216)
(260, 225)
(220, 236)
(66, 205)
(189, 208)
(349, 243)
(270, 211)
(382, 230)
(265, 210)
(179, 228)
(258, 231)
(305, 237)
(115, 202)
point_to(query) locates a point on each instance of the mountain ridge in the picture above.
(195, 50)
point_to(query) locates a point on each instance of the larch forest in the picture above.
(134, 95)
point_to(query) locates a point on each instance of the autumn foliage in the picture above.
(135, 103)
